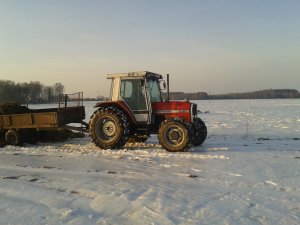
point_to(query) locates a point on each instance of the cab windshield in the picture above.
(154, 90)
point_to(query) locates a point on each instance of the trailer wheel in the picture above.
(109, 128)
(200, 133)
(12, 137)
(2, 138)
(174, 135)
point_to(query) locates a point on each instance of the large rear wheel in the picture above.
(109, 128)
(174, 135)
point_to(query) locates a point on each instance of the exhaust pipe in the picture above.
(168, 87)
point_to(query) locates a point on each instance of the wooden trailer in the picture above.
(15, 128)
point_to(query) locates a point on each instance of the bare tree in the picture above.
(33, 92)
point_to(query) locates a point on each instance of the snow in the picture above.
(247, 172)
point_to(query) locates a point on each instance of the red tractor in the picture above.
(136, 109)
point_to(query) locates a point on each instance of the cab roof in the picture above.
(143, 74)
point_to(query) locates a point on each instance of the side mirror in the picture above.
(163, 85)
(142, 83)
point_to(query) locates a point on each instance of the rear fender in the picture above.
(119, 105)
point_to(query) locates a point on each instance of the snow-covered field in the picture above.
(247, 172)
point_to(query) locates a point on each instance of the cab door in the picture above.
(134, 93)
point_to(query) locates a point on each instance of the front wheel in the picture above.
(174, 135)
(109, 128)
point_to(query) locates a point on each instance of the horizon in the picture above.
(206, 46)
(171, 91)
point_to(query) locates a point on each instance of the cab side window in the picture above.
(133, 93)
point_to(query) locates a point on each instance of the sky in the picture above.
(205, 45)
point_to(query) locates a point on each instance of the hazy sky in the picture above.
(206, 45)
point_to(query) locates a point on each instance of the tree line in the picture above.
(263, 94)
(32, 92)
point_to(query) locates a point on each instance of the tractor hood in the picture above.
(175, 109)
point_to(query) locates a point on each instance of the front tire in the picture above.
(174, 135)
(109, 128)
(200, 133)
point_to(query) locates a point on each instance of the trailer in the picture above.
(17, 128)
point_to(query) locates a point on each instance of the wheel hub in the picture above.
(174, 136)
(109, 128)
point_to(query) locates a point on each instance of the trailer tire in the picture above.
(12, 137)
(200, 134)
(2, 139)
(174, 135)
(109, 128)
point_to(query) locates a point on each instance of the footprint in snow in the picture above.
(33, 180)
(48, 167)
(12, 177)
(271, 183)
(18, 177)
(235, 174)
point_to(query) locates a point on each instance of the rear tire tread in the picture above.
(122, 124)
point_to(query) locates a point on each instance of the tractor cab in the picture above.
(137, 109)
(137, 90)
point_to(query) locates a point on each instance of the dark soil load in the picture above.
(13, 108)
